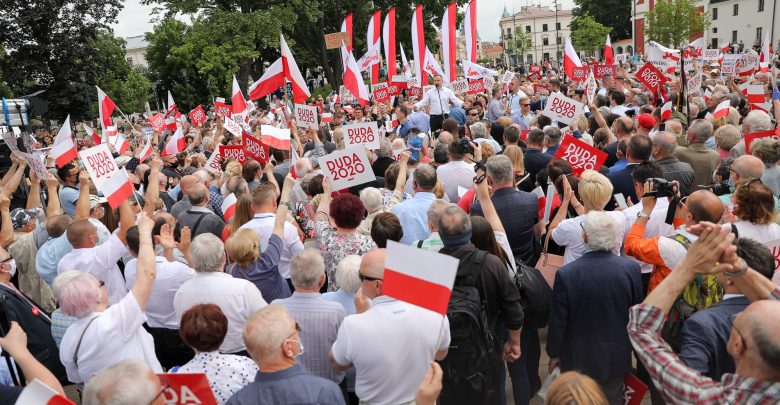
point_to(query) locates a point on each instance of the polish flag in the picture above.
(272, 80)
(176, 144)
(326, 118)
(419, 277)
(239, 104)
(372, 37)
(92, 133)
(353, 81)
(277, 138)
(293, 158)
(474, 71)
(229, 207)
(405, 64)
(170, 124)
(707, 95)
(418, 45)
(346, 26)
(666, 111)
(755, 93)
(64, 150)
(722, 110)
(291, 72)
(120, 144)
(146, 152)
(173, 109)
(109, 133)
(106, 107)
(388, 38)
(117, 188)
(609, 56)
(765, 107)
(38, 393)
(470, 30)
(766, 52)
(432, 66)
(448, 44)
(394, 120)
(570, 58)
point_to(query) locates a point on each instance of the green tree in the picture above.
(587, 34)
(672, 22)
(521, 44)
(611, 13)
(5, 90)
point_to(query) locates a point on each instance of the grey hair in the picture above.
(603, 232)
(478, 130)
(203, 175)
(265, 331)
(306, 269)
(348, 274)
(435, 210)
(384, 148)
(372, 199)
(757, 121)
(111, 387)
(453, 221)
(61, 280)
(500, 169)
(640, 99)
(198, 195)
(665, 141)
(425, 176)
(208, 253)
(206, 142)
(237, 185)
(701, 130)
(552, 134)
(302, 166)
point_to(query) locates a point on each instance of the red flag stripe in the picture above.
(422, 293)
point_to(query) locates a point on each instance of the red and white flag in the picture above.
(353, 81)
(146, 151)
(609, 56)
(666, 111)
(272, 80)
(299, 89)
(64, 150)
(418, 45)
(346, 26)
(108, 135)
(106, 107)
(470, 31)
(117, 188)
(722, 110)
(326, 118)
(90, 132)
(239, 104)
(432, 66)
(120, 144)
(755, 93)
(707, 95)
(373, 35)
(229, 207)
(170, 123)
(405, 64)
(419, 277)
(765, 107)
(449, 47)
(38, 393)
(293, 158)
(766, 52)
(570, 58)
(388, 39)
(176, 144)
(277, 138)
(173, 109)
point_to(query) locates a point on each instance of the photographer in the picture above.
(15, 344)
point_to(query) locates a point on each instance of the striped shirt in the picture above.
(680, 384)
(432, 244)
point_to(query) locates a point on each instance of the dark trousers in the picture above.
(463, 394)
(436, 122)
(524, 371)
(169, 348)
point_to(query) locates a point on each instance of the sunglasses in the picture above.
(526, 105)
(367, 278)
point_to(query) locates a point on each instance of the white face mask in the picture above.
(11, 267)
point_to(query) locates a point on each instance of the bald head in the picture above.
(704, 205)
(762, 349)
(373, 263)
(674, 127)
(624, 126)
(198, 195)
(80, 234)
(747, 166)
(187, 182)
(664, 144)
(56, 226)
(445, 137)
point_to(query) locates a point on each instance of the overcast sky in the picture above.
(135, 18)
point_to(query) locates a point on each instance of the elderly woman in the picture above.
(348, 283)
(768, 150)
(479, 134)
(105, 335)
(754, 209)
(590, 305)
(203, 328)
(303, 211)
(59, 321)
(336, 243)
(596, 191)
(725, 138)
(374, 201)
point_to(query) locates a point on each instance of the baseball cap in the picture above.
(94, 201)
(645, 121)
(20, 216)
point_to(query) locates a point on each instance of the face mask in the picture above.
(11, 267)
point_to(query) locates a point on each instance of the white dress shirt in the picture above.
(116, 335)
(453, 174)
(439, 100)
(100, 261)
(263, 225)
(569, 234)
(102, 231)
(170, 276)
(237, 298)
(656, 225)
(514, 102)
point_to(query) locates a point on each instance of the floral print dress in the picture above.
(335, 247)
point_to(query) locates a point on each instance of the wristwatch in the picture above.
(642, 215)
(739, 271)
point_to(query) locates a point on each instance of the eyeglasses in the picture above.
(101, 283)
(733, 319)
(526, 105)
(297, 330)
(367, 278)
(162, 391)
(474, 114)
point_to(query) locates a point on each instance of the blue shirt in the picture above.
(618, 166)
(264, 272)
(294, 385)
(421, 121)
(344, 298)
(68, 198)
(458, 114)
(403, 129)
(551, 151)
(413, 215)
(49, 256)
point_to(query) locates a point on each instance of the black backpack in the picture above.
(472, 343)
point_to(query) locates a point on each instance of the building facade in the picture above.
(545, 27)
(135, 51)
(491, 51)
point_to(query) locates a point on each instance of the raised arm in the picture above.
(153, 186)
(7, 230)
(269, 176)
(126, 220)
(488, 209)
(11, 170)
(147, 267)
(82, 204)
(13, 182)
(324, 206)
(281, 211)
(15, 343)
(34, 198)
(53, 207)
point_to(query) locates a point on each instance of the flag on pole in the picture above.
(470, 30)
(373, 37)
(346, 26)
(666, 111)
(722, 110)
(291, 72)
(229, 207)
(570, 58)
(353, 81)
(432, 66)
(120, 144)
(117, 188)
(272, 80)
(405, 64)
(64, 150)
(106, 107)
(448, 43)
(92, 133)
(388, 37)
(474, 71)
(609, 56)
(173, 109)
(176, 144)
(239, 104)
(277, 138)
(146, 152)
(418, 45)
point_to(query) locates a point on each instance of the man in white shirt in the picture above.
(438, 99)
(390, 343)
(264, 205)
(515, 94)
(237, 298)
(607, 82)
(456, 172)
(617, 100)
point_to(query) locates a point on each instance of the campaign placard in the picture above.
(220, 108)
(562, 109)
(591, 87)
(774, 248)
(633, 390)
(650, 76)
(534, 76)
(600, 70)
(35, 161)
(214, 164)
(749, 138)
(579, 73)
(10, 140)
(394, 88)
(254, 148)
(580, 155)
(362, 134)
(186, 389)
(621, 58)
(198, 116)
(507, 77)
(489, 83)
(747, 64)
(235, 152)
(380, 93)
(535, 68)
(710, 55)
(337, 39)
(459, 86)
(232, 127)
(99, 163)
(306, 116)
(476, 86)
(157, 121)
(347, 168)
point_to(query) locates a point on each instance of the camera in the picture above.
(722, 188)
(462, 147)
(661, 188)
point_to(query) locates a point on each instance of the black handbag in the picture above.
(535, 294)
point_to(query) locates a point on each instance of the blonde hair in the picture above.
(515, 154)
(487, 150)
(438, 190)
(338, 138)
(572, 387)
(726, 136)
(505, 121)
(243, 247)
(595, 190)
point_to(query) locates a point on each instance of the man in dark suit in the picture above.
(640, 147)
(589, 309)
(533, 158)
(705, 335)
(31, 317)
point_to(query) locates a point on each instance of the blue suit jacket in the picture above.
(589, 314)
(623, 182)
(705, 336)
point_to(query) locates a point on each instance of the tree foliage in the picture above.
(521, 44)
(587, 34)
(672, 22)
(615, 14)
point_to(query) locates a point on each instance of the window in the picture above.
(736, 9)
(558, 26)
(130, 61)
(759, 31)
(527, 28)
(733, 36)
(714, 43)
(760, 5)
(544, 27)
(545, 41)
(715, 13)
(558, 40)
(509, 32)
(546, 56)
(715, 31)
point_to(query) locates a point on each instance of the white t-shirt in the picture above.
(391, 346)
(453, 174)
(569, 234)
(760, 233)
(100, 261)
(170, 276)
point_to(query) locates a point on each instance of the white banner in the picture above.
(562, 109)
(347, 168)
(362, 134)
(710, 55)
(507, 77)
(459, 86)
(214, 164)
(36, 163)
(232, 127)
(306, 116)
(99, 163)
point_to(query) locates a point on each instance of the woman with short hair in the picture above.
(754, 209)
(768, 150)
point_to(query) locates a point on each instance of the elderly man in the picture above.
(664, 146)
(756, 121)
(479, 134)
(433, 242)
(456, 172)
(184, 204)
(110, 386)
(237, 298)
(413, 212)
(273, 339)
(552, 140)
(389, 342)
(199, 218)
(302, 167)
(318, 318)
(383, 159)
(589, 310)
(753, 342)
(703, 160)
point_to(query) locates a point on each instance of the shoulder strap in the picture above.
(735, 230)
(419, 244)
(81, 338)
(197, 223)
(681, 239)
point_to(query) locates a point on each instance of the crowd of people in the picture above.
(282, 301)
